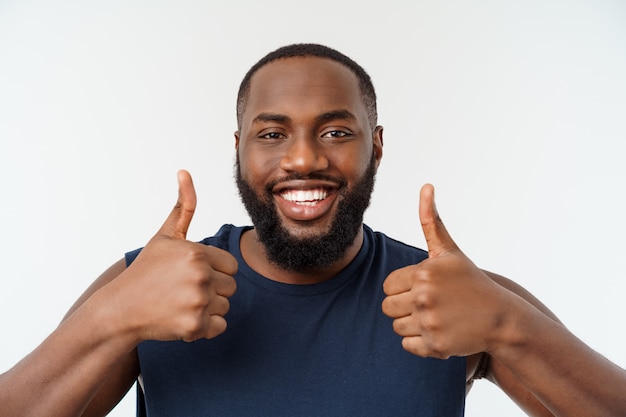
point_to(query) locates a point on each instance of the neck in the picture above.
(254, 254)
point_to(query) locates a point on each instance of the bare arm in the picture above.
(74, 364)
(446, 306)
(501, 375)
(124, 372)
(541, 357)
(497, 373)
(87, 364)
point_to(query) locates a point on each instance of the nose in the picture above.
(304, 154)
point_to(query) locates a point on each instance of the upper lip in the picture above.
(304, 185)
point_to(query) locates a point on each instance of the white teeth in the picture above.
(305, 197)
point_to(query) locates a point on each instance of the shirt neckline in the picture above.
(331, 284)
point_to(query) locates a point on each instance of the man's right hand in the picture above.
(175, 289)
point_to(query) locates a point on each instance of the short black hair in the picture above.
(312, 50)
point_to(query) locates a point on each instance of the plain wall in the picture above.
(515, 111)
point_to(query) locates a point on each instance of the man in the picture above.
(309, 312)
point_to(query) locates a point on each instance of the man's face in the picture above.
(306, 160)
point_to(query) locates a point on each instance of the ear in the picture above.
(237, 135)
(378, 144)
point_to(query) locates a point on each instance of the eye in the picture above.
(335, 134)
(272, 135)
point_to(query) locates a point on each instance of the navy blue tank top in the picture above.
(303, 350)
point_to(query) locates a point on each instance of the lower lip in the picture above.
(302, 212)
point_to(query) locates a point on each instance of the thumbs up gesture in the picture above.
(444, 306)
(176, 289)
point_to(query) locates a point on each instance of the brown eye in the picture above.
(335, 134)
(272, 135)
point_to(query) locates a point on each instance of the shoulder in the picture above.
(226, 234)
(382, 240)
(221, 238)
(386, 254)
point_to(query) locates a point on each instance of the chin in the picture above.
(306, 229)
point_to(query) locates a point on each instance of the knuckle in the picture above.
(222, 285)
(233, 267)
(389, 302)
(397, 326)
(411, 345)
(400, 327)
(422, 276)
(198, 300)
(422, 300)
(199, 277)
(194, 253)
(226, 307)
(388, 284)
(430, 323)
(230, 287)
(394, 306)
(435, 348)
(220, 306)
(224, 261)
(217, 326)
(190, 327)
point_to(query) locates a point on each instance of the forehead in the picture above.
(301, 85)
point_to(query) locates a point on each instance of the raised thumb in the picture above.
(437, 237)
(177, 223)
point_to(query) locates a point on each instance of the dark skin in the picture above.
(329, 134)
(441, 307)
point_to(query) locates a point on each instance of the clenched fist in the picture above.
(445, 305)
(176, 289)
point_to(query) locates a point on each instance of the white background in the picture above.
(516, 111)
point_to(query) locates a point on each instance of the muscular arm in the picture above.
(499, 374)
(445, 306)
(542, 363)
(125, 371)
(85, 365)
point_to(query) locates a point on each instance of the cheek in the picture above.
(355, 163)
(256, 167)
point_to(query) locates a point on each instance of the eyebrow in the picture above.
(271, 117)
(340, 114)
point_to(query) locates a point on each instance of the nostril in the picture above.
(304, 156)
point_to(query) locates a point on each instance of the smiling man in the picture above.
(305, 167)
(308, 312)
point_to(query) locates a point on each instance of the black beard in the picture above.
(308, 254)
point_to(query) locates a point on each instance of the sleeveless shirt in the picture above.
(302, 350)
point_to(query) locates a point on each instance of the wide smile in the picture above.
(305, 197)
(305, 202)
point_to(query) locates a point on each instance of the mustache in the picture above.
(312, 176)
